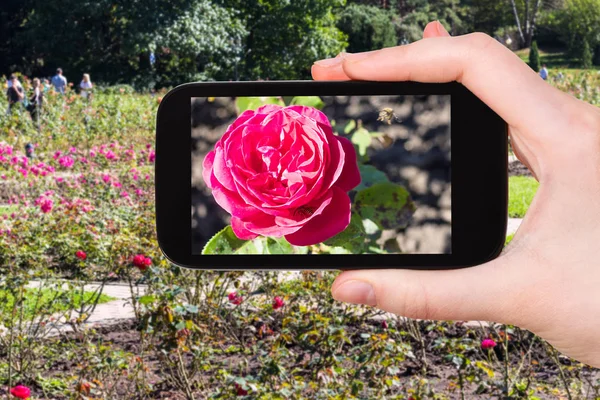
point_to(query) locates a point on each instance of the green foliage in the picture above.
(367, 27)
(50, 300)
(579, 22)
(521, 190)
(534, 57)
(252, 103)
(586, 55)
(226, 242)
(418, 13)
(285, 37)
(386, 204)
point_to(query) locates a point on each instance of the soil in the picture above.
(418, 158)
(517, 168)
(441, 372)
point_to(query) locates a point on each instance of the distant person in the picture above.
(544, 72)
(35, 102)
(59, 81)
(86, 87)
(15, 93)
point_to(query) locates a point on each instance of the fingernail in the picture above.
(329, 62)
(356, 292)
(356, 56)
(441, 30)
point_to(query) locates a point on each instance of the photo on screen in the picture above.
(321, 175)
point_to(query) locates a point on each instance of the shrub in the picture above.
(367, 27)
(586, 55)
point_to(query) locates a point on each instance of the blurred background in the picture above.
(417, 155)
(158, 43)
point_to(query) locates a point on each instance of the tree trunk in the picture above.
(532, 25)
(521, 36)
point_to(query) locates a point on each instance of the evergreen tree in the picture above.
(586, 55)
(534, 57)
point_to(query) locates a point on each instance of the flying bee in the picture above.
(387, 115)
(304, 211)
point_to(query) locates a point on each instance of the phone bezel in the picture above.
(479, 179)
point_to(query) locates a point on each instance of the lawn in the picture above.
(521, 190)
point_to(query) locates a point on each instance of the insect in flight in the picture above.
(304, 211)
(387, 115)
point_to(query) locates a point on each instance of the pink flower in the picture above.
(488, 344)
(56, 155)
(124, 194)
(234, 298)
(21, 392)
(106, 178)
(110, 155)
(142, 262)
(277, 303)
(46, 205)
(152, 156)
(66, 161)
(280, 171)
(81, 255)
(92, 153)
(384, 324)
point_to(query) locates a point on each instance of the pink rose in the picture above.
(488, 344)
(280, 171)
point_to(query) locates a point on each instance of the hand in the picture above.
(548, 279)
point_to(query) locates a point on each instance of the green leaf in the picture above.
(387, 204)
(309, 101)
(350, 126)
(369, 175)
(147, 299)
(224, 242)
(353, 237)
(362, 139)
(282, 246)
(252, 103)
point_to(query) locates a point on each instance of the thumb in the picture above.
(479, 293)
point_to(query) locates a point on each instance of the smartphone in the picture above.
(329, 175)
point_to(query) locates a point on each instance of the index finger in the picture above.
(487, 68)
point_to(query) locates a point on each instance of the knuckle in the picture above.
(480, 40)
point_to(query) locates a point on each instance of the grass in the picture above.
(49, 300)
(521, 190)
(508, 239)
(552, 57)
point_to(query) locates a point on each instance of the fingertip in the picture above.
(333, 73)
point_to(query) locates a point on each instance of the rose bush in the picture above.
(280, 171)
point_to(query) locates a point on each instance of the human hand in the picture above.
(548, 279)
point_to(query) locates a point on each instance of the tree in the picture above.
(414, 15)
(367, 27)
(285, 37)
(586, 55)
(580, 23)
(193, 40)
(529, 11)
(534, 57)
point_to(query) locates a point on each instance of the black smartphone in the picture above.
(329, 175)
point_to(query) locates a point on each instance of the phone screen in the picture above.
(321, 175)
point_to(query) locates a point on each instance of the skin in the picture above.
(548, 279)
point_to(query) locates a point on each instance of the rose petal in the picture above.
(333, 220)
(311, 112)
(265, 225)
(240, 231)
(207, 166)
(350, 177)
